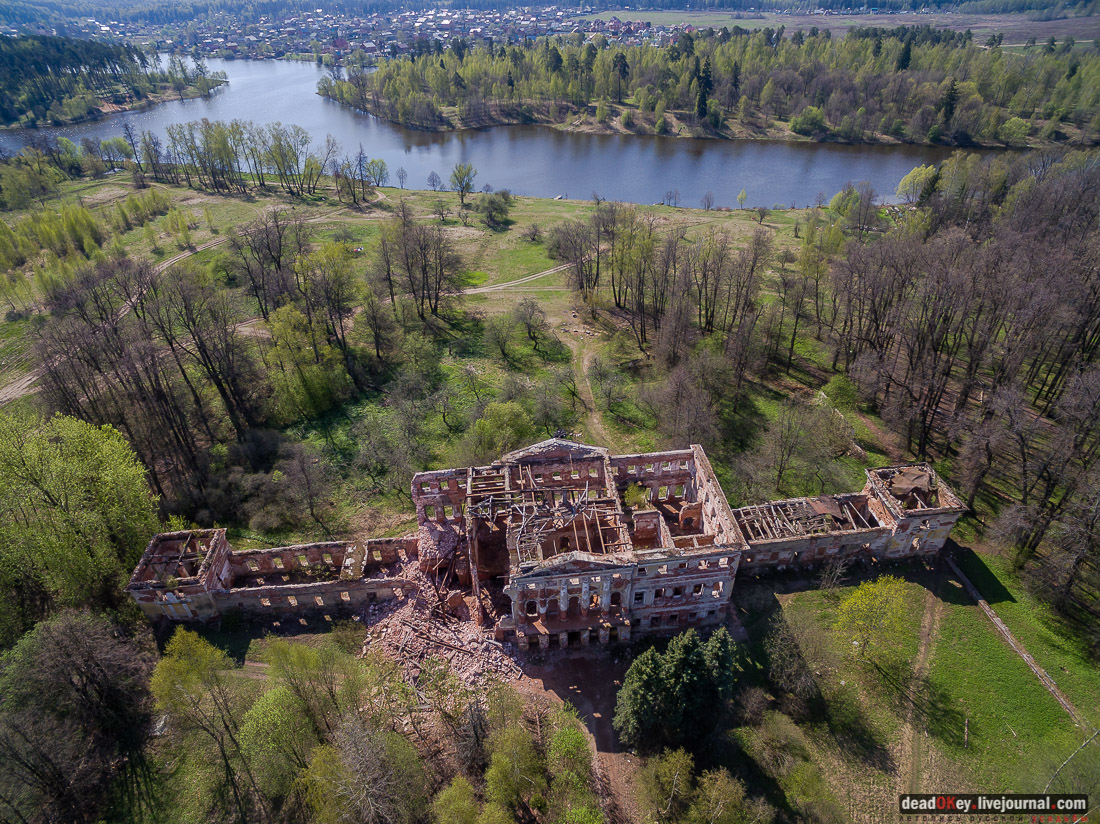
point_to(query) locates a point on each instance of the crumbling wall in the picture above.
(159, 591)
(439, 496)
(717, 515)
(663, 592)
(679, 591)
(558, 474)
(923, 534)
(329, 555)
(334, 595)
(673, 471)
(549, 609)
(805, 550)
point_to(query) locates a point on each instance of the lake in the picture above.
(534, 160)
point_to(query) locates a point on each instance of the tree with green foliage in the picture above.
(665, 786)
(621, 70)
(367, 775)
(1014, 131)
(569, 764)
(309, 376)
(516, 771)
(913, 185)
(456, 803)
(810, 121)
(462, 180)
(277, 739)
(873, 616)
(495, 206)
(668, 698)
(502, 427)
(196, 689)
(75, 515)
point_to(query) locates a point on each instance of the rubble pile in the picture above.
(423, 624)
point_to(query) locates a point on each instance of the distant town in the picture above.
(337, 38)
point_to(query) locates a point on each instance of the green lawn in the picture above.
(981, 716)
(995, 718)
(1064, 657)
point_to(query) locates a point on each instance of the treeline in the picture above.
(913, 84)
(214, 156)
(59, 79)
(973, 328)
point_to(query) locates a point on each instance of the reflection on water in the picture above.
(534, 160)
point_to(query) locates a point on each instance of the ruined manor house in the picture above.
(560, 543)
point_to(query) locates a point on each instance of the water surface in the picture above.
(534, 160)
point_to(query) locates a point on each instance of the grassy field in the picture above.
(1017, 28)
(951, 707)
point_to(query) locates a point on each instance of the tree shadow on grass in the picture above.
(853, 733)
(740, 423)
(932, 706)
(725, 750)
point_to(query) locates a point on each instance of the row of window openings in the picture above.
(674, 618)
(662, 492)
(317, 599)
(576, 582)
(449, 512)
(663, 569)
(532, 608)
(253, 566)
(426, 486)
(575, 474)
(642, 572)
(633, 469)
(677, 592)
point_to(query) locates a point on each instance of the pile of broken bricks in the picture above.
(420, 625)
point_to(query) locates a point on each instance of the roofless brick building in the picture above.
(560, 543)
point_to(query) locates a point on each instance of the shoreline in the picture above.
(583, 121)
(106, 109)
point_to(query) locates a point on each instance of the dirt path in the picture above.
(911, 753)
(582, 363)
(589, 680)
(889, 441)
(499, 287)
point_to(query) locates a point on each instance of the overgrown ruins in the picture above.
(557, 544)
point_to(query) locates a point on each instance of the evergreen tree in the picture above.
(666, 699)
(905, 57)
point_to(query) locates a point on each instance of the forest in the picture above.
(913, 84)
(255, 328)
(56, 80)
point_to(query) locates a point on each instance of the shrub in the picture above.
(811, 121)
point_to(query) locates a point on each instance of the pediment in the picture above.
(573, 562)
(554, 449)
